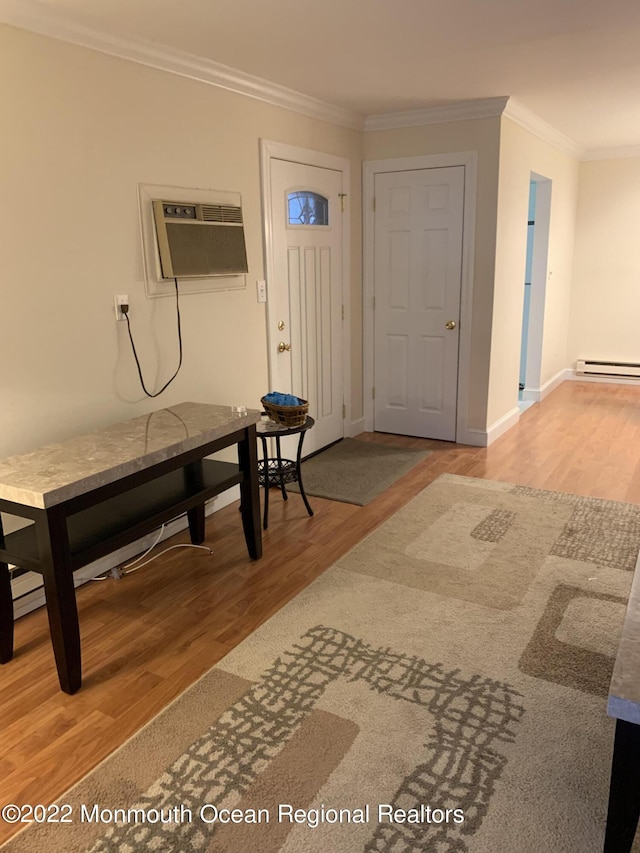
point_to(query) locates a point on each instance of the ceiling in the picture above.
(574, 63)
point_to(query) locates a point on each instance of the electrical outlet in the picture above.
(120, 300)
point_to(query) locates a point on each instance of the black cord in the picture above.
(135, 354)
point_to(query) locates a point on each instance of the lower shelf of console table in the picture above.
(106, 526)
(68, 536)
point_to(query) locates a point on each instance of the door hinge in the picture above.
(373, 302)
(373, 393)
(373, 204)
(343, 312)
(342, 198)
(344, 411)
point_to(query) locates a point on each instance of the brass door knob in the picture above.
(450, 324)
(282, 347)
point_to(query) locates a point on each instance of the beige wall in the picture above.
(80, 131)
(606, 288)
(482, 136)
(522, 153)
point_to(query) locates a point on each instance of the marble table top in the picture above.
(624, 691)
(57, 472)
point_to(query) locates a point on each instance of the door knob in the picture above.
(282, 347)
(450, 324)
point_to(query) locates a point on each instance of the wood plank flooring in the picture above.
(150, 635)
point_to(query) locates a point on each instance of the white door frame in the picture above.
(370, 168)
(276, 150)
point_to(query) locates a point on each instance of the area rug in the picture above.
(441, 688)
(355, 471)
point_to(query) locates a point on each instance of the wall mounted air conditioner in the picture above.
(197, 240)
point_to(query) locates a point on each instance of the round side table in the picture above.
(276, 471)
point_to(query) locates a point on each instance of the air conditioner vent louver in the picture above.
(209, 241)
(222, 213)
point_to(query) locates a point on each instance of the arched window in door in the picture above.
(305, 207)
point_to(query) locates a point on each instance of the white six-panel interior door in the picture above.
(305, 303)
(417, 269)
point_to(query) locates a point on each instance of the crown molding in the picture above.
(459, 111)
(540, 128)
(33, 16)
(620, 153)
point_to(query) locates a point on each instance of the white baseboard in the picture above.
(485, 437)
(610, 380)
(503, 425)
(28, 590)
(537, 394)
(473, 437)
(356, 427)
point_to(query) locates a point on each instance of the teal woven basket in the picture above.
(286, 416)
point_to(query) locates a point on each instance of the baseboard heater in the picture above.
(613, 369)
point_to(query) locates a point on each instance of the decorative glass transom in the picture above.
(307, 208)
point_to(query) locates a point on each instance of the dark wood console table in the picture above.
(95, 493)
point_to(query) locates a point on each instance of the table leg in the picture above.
(265, 456)
(194, 479)
(53, 548)
(624, 789)
(299, 475)
(6, 615)
(6, 608)
(285, 496)
(250, 492)
(196, 519)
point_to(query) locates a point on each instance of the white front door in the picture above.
(305, 310)
(417, 284)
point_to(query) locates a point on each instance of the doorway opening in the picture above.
(535, 284)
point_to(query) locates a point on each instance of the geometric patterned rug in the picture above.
(441, 688)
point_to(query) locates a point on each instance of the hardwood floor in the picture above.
(150, 635)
